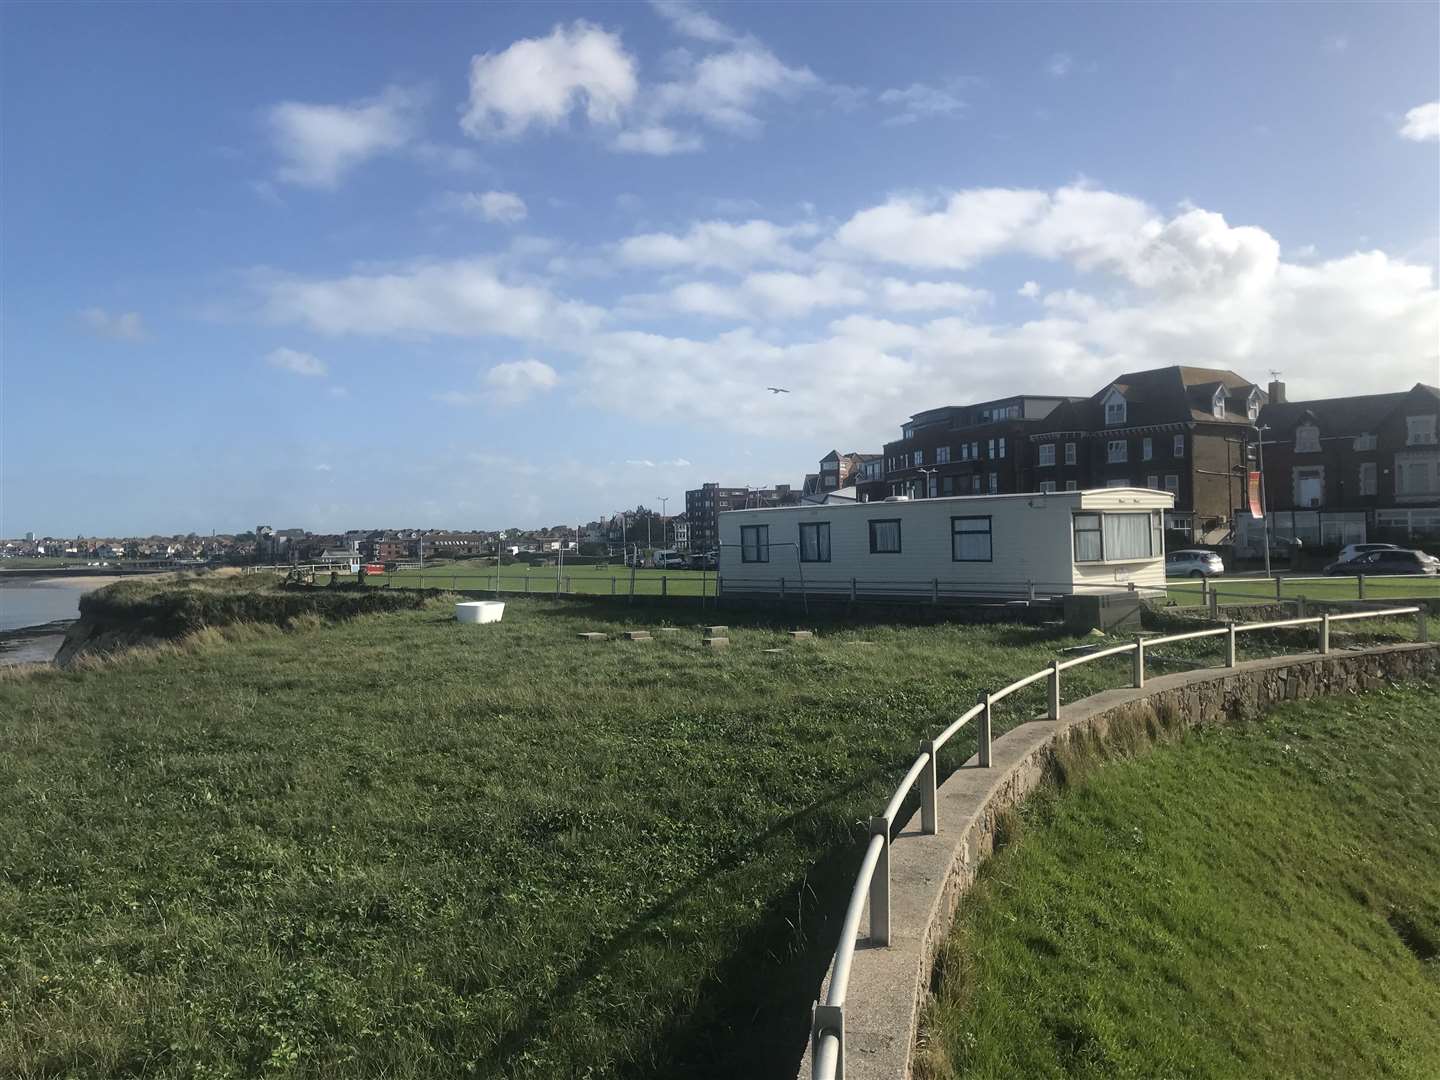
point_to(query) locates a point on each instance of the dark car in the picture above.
(1393, 561)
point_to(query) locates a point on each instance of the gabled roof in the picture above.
(1160, 396)
(1342, 416)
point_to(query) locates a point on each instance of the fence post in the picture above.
(1324, 632)
(453, 586)
(612, 586)
(880, 885)
(1230, 645)
(1301, 609)
(1361, 579)
(935, 590)
(1215, 605)
(929, 825)
(1422, 624)
(782, 588)
(984, 734)
(1030, 591)
(1277, 588)
(664, 585)
(527, 584)
(1139, 662)
(1205, 591)
(1054, 689)
(852, 590)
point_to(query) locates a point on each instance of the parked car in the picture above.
(1350, 551)
(709, 561)
(1193, 562)
(1387, 561)
(671, 560)
(1281, 548)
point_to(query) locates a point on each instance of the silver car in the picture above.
(1193, 563)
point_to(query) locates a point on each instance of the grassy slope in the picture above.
(1231, 906)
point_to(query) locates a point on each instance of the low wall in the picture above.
(928, 874)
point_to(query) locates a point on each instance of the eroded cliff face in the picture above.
(91, 636)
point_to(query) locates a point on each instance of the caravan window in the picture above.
(1114, 537)
(970, 539)
(755, 543)
(815, 541)
(885, 537)
(1087, 538)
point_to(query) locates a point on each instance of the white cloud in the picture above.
(1031, 289)
(720, 245)
(318, 144)
(121, 326)
(541, 81)
(502, 207)
(323, 467)
(1422, 123)
(687, 19)
(297, 363)
(784, 294)
(725, 89)
(507, 384)
(1060, 65)
(897, 295)
(460, 298)
(919, 101)
(658, 140)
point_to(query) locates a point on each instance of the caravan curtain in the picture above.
(1128, 536)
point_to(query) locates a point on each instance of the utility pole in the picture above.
(664, 532)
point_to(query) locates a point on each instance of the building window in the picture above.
(1364, 442)
(1128, 536)
(1147, 449)
(1047, 487)
(1252, 405)
(1367, 478)
(1069, 453)
(1172, 483)
(991, 448)
(1309, 487)
(1153, 482)
(1115, 410)
(1047, 454)
(994, 483)
(1178, 450)
(1417, 477)
(885, 536)
(1307, 439)
(1118, 483)
(1000, 444)
(1118, 451)
(975, 483)
(949, 485)
(919, 457)
(1217, 404)
(815, 541)
(942, 456)
(934, 485)
(1070, 485)
(970, 539)
(1420, 430)
(1089, 546)
(754, 543)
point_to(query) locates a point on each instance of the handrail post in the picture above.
(929, 802)
(852, 590)
(880, 885)
(1422, 624)
(664, 585)
(1230, 644)
(1205, 590)
(1302, 609)
(1030, 590)
(935, 590)
(782, 588)
(1361, 579)
(1214, 603)
(1054, 689)
(1324, 633)
(1139, 670)
(984, 735)
(828, 1020)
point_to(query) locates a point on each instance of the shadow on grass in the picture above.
(752, 1017)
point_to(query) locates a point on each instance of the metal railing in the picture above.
(1279, 588)
(872, 883)
(926, 590)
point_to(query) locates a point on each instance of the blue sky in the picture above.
(340, 266)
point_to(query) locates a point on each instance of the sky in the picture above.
(335, 266)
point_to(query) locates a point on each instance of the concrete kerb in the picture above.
(889, 986)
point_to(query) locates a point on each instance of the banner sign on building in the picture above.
(1256, 510)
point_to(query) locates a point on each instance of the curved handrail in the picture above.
(827, 1042)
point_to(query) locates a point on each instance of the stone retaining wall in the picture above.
(888, 986)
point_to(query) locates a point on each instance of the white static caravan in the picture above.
(1002, 546)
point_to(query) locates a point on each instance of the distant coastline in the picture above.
(48, 606)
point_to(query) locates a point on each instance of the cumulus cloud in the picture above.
(502, 207)
(120, 326)
(688, 19)
(540, 82)
(318, 144)
(720, 245)
(296, 363)
(919, 102)
(507, 384)
(1422, 123)
(461, 298)
(657, 140)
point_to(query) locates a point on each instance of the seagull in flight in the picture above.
(777, 389)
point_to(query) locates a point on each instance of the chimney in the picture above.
(1276, 391)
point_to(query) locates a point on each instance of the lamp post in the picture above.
(1264, 491)
(664, 500)
(925, 484)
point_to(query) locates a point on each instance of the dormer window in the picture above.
(1114, 408)
(1307, 439)
(1217, 404)
(1420, 430)
(1252, 405)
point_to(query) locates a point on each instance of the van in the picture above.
(667, 559)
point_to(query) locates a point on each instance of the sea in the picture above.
(37, 604)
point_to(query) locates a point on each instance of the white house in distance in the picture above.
(1002, 546)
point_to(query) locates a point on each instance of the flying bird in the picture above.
(777, 389)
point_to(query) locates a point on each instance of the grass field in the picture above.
(397, 846)
(1261, 901)
(1237, 590)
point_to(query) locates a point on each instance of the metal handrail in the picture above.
(827, 1036)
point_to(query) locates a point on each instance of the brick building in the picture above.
(1179, 429)
(705, 504)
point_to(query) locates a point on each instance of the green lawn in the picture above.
(519, 578)
(1236, 590)
(1262, 901)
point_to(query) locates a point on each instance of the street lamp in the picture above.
(925, 484)
(663, 500)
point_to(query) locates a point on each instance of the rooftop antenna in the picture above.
(1275, 375)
